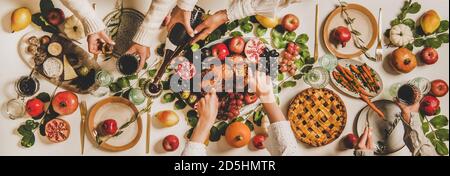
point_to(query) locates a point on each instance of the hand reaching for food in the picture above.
(142, 51)
(262, 85)
(207, 109)
(96, 40)
(209, 25)
(365, 140)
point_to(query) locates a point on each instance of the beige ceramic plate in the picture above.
(122, 111)
(364, 23)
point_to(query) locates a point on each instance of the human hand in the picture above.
(262, 85)
(142, 51)
(207, 109)
(365, 140)
(95, 40)
(407, 109)
(179, 16)
(209, 25)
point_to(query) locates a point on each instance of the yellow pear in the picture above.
(20, 19)
(266, 21)
(430, 22)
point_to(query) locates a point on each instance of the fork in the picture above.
(379, 50)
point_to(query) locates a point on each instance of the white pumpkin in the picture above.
(401, 35)
(73, 28)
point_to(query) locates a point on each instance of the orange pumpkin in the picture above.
(237, 135)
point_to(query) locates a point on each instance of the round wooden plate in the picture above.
(121, 110)
(365, 23)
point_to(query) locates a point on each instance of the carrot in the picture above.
(372, 106)
(363, 92)
(342, 81)
(372, 76)
(341, 70)
(354, 80)
(357, 73)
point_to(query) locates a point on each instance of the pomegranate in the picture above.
(342, 35)
(403, 60)
(57, 130)
(186, 70)
(429, 105)
(109, 127)
(65, 103)
(35, 107)
(253, 49)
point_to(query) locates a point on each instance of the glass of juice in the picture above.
(128, 64)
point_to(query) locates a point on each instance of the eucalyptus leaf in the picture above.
(236, 34)
(214, 134)
(288, 84)
(249, 125)
(443, 27)
(180, 104)
(414, 8)
(260, 31)
(167, 98)
(443, 37)
(28, 141)
(419, 42)
(441, 148)
(222, 126)
(409, 22)
(439, 121)
(302, 39)
(442, 134)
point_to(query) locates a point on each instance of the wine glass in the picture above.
(136, 96)
(103, 79)
(317, 77)
(423, 84)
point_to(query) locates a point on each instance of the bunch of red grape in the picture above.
(287, 64)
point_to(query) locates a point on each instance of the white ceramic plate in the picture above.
(387, 134)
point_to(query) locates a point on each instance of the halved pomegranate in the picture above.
(186, 70)
(253, 49)
(57, 130)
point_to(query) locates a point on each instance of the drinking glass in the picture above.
(317, 77)
(103, 79)
(328, 61)
(15, 108)
(136, 96)
(422, 83)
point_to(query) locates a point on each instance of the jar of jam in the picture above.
(27, 86)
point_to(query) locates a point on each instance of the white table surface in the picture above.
(12, 67)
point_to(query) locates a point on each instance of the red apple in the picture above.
(290, 22)
(350, 141)
(429, 56)
(170, 143)
(237, 45)
(35, 107)
(258, 141)
(65, 103)
(55, 16)
(109, 127)
(220, 51)
(430, 105)
(439, 88)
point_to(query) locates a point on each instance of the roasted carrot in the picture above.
(338, 77)
(353, 79)
(376, 83)
(358, 74)
(372, 106)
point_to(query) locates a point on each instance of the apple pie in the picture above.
(317, 116)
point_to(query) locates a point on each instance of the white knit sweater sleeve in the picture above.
(187, 5)
(415, 139)
(281, 140)
(83, 10)
(194, 149)
(158, 10)
(243, 8)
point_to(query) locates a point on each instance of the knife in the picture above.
(83, 111)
